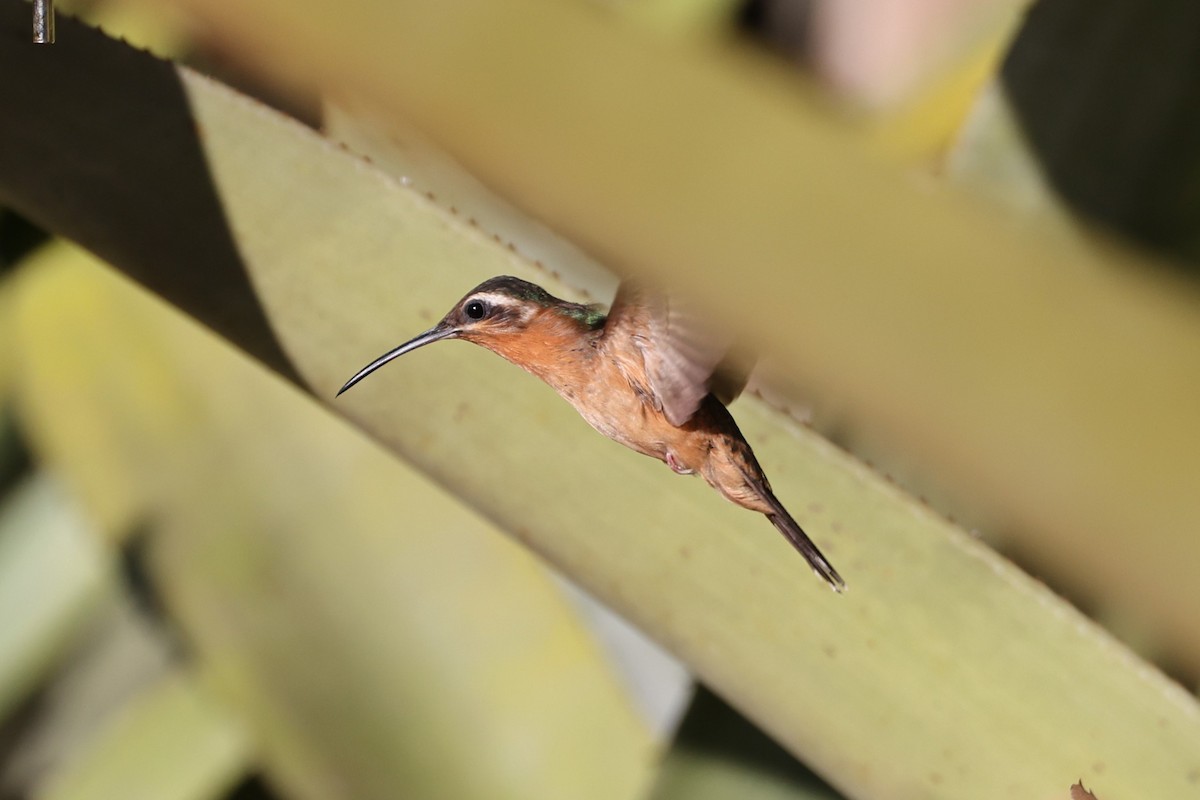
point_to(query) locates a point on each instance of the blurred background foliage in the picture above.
(211, 587)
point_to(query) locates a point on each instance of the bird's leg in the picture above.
(674, 464)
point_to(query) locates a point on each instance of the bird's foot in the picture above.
(674, 464)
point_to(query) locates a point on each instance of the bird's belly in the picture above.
(625, 430)
(644, 429)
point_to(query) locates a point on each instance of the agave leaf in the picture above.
(174, 741)
(377, 635)
(937, 634)
(946, 333)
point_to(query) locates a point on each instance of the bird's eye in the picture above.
(476, 309)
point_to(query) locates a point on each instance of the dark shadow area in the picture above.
(13, 729)
(18, 238)
(254, 787)
(98, 144)
(143, 586)
(16, 463)
(137, 576)
(782, 25)
(713, 729)
(1108, 95)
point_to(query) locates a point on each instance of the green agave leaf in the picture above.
(944, 672)
(1011, 367)
(376, 634)
(173, 742)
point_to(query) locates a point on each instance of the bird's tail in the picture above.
(792, 531)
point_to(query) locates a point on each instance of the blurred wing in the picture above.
(679, 347)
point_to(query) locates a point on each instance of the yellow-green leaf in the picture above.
(381, 639)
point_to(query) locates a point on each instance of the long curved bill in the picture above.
(434, 334)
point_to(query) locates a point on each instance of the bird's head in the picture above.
(495, 314)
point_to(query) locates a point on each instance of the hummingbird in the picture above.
(647, 374)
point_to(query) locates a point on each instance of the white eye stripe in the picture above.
(495, 300)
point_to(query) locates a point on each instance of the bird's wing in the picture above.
(682, 352)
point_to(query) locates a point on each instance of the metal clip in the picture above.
(43, 21)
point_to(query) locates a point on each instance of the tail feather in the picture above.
(792, 531)
(754, 491)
